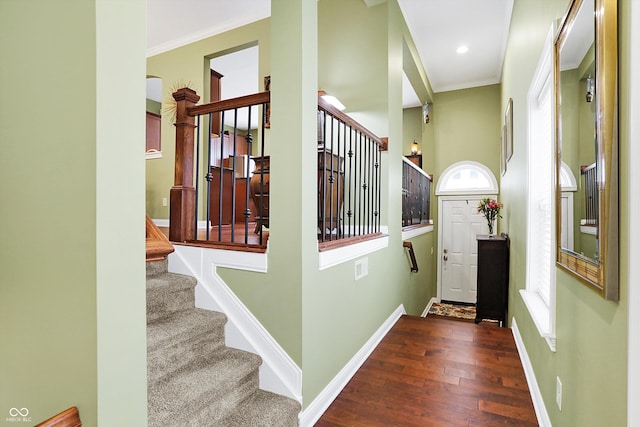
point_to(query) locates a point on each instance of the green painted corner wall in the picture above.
(59, 212)
(591, 355)
(48, 264)
(331, 298)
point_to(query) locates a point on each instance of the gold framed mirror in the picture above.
(586, 118)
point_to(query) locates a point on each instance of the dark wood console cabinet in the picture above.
(493, 278)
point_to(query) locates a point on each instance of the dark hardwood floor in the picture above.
(435, 371)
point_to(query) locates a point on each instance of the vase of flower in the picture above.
(490, 209)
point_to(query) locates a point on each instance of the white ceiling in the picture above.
(438, 28)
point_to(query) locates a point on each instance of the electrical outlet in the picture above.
(559, 393)
(362, 268)
(164, 201)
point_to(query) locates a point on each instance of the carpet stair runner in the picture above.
(193, 378)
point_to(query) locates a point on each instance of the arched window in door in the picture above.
(467, 177)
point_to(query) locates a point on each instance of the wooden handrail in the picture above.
(412, 255)
(229, 104)
(158, 246)
(67, 418)
(325, 106)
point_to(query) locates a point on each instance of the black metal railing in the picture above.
(590, 186)
(236, 189)
(416, 195)
(349, 183)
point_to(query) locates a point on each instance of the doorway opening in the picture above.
(459, 190)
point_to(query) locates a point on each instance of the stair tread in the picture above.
(191, 373)
(182, 326)
(264, 409)
(172, 280)
(203, 382)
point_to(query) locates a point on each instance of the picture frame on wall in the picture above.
(508, 132)
(503, 151)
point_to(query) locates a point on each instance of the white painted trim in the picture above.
(534, 390)
(165, 223)
(418, 231)
(333, 257)
(415, 167)
(585, 229)
(428, 307)
(540, 313)
(314, 411)
(153, 155)
(567, 180)
(465, 164)
(247, 18)
(278, 372)
(161, 222)
(542, 309)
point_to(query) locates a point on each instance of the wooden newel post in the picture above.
(182, 207)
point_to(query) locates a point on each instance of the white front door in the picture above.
(460, 222)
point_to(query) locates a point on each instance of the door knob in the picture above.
(446, 257)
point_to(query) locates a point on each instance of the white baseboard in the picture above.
(314, 411)
(278, 372)
(428, 307)
(165, 223)
(536, 395)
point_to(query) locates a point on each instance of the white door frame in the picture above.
(442, 199)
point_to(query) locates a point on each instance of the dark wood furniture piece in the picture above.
(493, 278)
(330, 192)
(415, 159)
(227, 198)
(259, 186)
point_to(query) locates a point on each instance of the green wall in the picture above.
(72, 293)
(468, 126)
(153, 106)
(331, 298)
(591, 333)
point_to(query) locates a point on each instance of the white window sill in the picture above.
(333, 257)
(541, 315)
(417, 231)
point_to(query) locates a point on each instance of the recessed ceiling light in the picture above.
(462, 49)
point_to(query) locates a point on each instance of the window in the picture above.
(539, 295)
(467, 178)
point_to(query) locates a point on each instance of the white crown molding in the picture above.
(204, 34)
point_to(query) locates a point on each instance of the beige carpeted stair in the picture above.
(193, 378)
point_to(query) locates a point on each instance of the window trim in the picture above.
(542, 312)
(441, 188)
